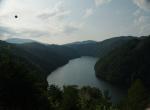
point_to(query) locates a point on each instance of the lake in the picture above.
(81, 72)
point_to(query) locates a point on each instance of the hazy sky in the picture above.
(63, 21)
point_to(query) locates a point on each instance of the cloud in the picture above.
(47, 22)
(141, 20)
(1, 3)
(33, 33)
(58, 11)
(88, 12)
(54, 14)
(6, 32)
(143, 25)
(138, 12)
(70, 29)
(101, 2)
(42, 19)
(143, 4)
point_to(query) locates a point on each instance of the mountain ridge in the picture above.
(48, 57)
(19, 41)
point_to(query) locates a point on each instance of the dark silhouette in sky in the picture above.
(16, 16)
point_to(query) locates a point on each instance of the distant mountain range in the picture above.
(19, 41)
(23, 41)
(49, 57)
(82, 42)
(121, 59)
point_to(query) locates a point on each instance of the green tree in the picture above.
(55, 96)
(137, 97)
(70, 98)
(89, 98)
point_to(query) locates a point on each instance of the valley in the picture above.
(114, 60)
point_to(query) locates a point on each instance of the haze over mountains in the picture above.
(19, 41)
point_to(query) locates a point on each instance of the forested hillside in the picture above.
(99, 49)
(49, 57)
(108, 45)
(22, 85)
(126, 63)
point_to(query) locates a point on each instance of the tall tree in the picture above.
(70, 98)
(137, 97)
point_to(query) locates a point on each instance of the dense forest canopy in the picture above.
(22, 85)
(126, 63)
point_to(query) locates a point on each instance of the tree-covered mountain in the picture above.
(98, 49)
(49, 57)
(126, 63)
(108, 45)
(88, 48)
(46, 57)
(22, 85)
(24, 67)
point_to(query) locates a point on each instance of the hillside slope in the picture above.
(43, 56)
(22, 84)
(40, 55)
(126, 63)
(99, 49)
(108, 45)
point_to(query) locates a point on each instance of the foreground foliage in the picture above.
(91, 98)
(21, 84)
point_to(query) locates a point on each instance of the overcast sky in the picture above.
(63, 21)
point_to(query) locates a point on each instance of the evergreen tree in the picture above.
(137, 97)
(70, 98)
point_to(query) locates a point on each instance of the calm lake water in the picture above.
(81, 72)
